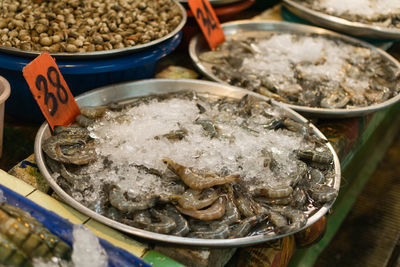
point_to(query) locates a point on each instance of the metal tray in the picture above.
(215, 2)
(198, 45)
(105, 53)
(123, 91)
(339, 24)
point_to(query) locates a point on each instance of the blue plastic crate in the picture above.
(62, 228)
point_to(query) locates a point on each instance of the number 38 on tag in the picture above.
(50, 91)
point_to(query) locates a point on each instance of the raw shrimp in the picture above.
(119, 201)
(196, 199)
(215, 211)
(196, 180)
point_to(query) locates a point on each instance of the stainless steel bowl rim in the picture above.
(340, 24)
(163, 86)
(290, 27)
(104, 53)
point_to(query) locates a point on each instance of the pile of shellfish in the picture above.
(85, 26)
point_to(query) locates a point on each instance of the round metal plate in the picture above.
(123, 91)
(338, 24)
(198, 45)
(105, 53)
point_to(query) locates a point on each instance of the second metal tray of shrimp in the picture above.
(129, 90)
(198, 45)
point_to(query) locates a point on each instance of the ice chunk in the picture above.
(87, 251)
(3, 198)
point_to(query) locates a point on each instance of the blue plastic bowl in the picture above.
(81, 75)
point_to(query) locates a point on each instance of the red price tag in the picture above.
(208, 22)
(50, 91)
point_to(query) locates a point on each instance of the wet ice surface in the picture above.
(87, 251)
(138, 141)
(367, 9)
(3, 198)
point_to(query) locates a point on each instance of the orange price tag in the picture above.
(50, 91)
(208, 22)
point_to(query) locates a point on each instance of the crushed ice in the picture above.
(137, 139)
(316, 58)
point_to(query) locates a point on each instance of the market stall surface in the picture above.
(360, 142)
(370, 235)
